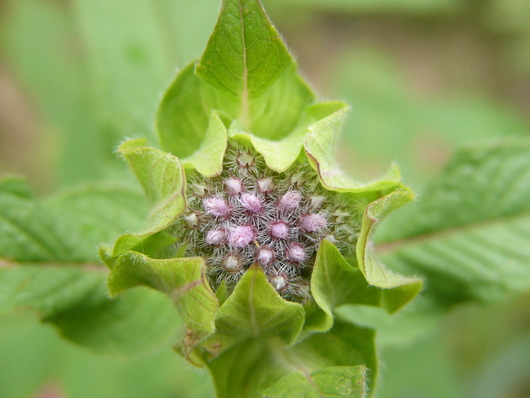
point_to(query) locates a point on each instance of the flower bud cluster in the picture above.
(253, 215)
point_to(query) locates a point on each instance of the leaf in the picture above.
(27, 232)
(333, 381)
(267, 98)
(335, 282)
(95, 213)
(42, 48)
(468, 234)
(208, 159)
(249, 368)
(164, 183)
(281, 154)
(245, 54)
(75, 299)
(182, 279)
(320, 146)
(128, 59)
(399, 289)
(255, 310)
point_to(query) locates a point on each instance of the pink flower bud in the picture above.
(296, 253)
(265, 256)
(251, 203)
(241, 236)
(217, 207)
(289, 201)
(216, 237)
(233, 186)
(266, 185)
(279, 230)
(231, 263)
(279, 282)
(312, 222)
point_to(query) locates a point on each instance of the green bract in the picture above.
(240, 113)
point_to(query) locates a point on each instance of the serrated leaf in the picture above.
(468, 235)
(75, 299)
(320, 148)
(249, 368)
(333, 381)
(335, 282)
(164, 183)
(182, 279)
(399, 289)
(27, 231)
(245, 54)
(95, 213)
(255, 310)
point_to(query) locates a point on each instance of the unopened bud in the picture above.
(312, 222)
(279, 230)
(279, 282)
(217, 207)
(289, 201)
(296, 253)
(245, 159)
(265, 256)
(231, 263)
(252, 203)
(241, 236)
(216, 237)
(233, 186)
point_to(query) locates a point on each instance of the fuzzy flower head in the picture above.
(252, 215)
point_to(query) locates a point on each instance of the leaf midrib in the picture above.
(390, 247)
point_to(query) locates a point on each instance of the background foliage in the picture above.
(423, 77)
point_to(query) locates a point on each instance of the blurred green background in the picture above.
(422, 76)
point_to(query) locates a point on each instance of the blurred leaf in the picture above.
(26, 345)
(127, 55)
(390, 121)
(379, 6)
(76, 300)
(508, 16)
(468, 235)
(27, 232)
(93, 214)
(333, 381)
(42, 46)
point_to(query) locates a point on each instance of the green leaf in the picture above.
(128, 59)
(255, 310)
(95, 213)
(320, 146)
(75, 299)
(249, 368)
(182, 279)
(245, 54)
(164, 183)
(267, 98)
(468, 235)
(399, 290)
(27, 231)
(335, 282)
(208, 159)
(334, 381)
